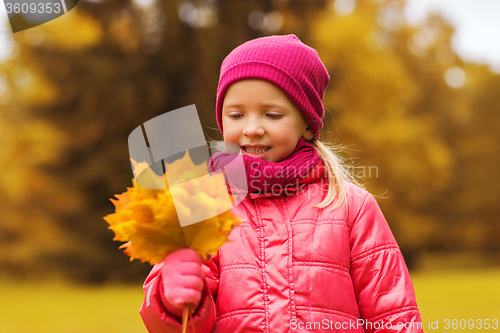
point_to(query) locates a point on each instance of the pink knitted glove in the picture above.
(183, 278)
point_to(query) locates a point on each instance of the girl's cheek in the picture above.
(230, 138)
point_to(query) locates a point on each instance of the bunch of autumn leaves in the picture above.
(147, 219)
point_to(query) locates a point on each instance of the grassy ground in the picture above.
(462, 294)
(62, 308)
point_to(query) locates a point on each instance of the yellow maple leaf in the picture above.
(147, 219)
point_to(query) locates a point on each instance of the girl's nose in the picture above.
(253, 128)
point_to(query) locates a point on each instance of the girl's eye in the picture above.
(274, 116)
(235, 115)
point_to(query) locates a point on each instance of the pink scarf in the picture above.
(265, 176)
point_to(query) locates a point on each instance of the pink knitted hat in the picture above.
(287, 63)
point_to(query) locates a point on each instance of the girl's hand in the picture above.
(183, 278)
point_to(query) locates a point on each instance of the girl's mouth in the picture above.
(259, 150)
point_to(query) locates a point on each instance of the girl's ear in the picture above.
(308, 134)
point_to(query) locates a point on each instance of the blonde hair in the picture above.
(338, 171)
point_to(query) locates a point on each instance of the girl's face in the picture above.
(259, 117)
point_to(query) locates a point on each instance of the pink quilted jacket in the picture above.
(294, 268)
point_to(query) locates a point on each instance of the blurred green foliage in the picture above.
(77, 86)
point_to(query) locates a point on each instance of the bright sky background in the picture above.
(477, 24)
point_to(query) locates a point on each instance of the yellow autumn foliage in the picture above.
(74, 30)
(147, 219)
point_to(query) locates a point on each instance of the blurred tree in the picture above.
(474, 195)
(448, 95)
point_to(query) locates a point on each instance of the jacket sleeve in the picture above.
(160, 317)
(381, 280)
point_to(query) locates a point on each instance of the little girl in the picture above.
(314, 252)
